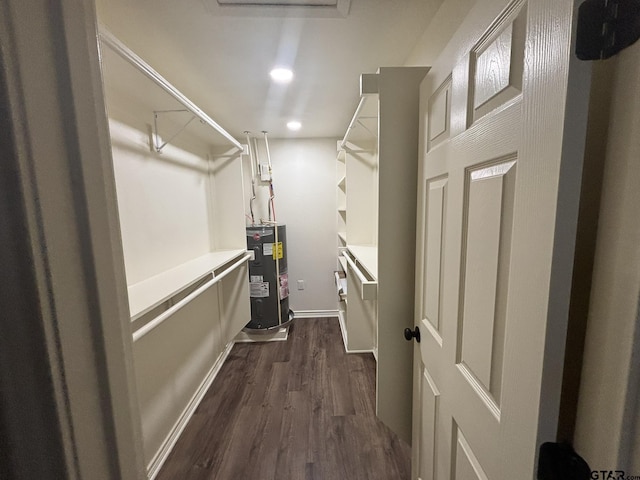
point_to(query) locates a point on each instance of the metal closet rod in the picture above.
(121, 49)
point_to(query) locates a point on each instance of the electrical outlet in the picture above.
(300, 284)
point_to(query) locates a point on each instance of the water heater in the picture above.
(268, 278)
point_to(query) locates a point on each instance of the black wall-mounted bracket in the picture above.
(605, 27)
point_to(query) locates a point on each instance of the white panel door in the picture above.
(488, 368)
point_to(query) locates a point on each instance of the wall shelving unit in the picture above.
(341, 219)
(341, 199)
(380, 156)
(188, 289)
(360, 151)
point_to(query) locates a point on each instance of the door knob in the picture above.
(409, 334)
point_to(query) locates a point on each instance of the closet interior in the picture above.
(500, 127)
(184, 209)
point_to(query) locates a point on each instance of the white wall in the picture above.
(609, 403)
(438, 32)
(162, 203)
(305, 185)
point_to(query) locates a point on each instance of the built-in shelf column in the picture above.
(380, 152)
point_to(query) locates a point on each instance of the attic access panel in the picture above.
(304, 8)
(282, 3)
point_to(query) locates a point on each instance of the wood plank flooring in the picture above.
(296, 410)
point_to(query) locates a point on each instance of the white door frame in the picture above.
(67, 398)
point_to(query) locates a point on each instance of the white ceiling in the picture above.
(220, 56)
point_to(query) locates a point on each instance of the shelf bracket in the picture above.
(156, 134)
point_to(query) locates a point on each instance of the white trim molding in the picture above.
(315, 313)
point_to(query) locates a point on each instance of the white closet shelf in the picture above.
(367, 257)
(149, 293)
(342, 182)
(343, 262)
(343, 236)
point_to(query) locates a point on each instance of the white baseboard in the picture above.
(315, 313)
(161, 456)
(343, 329)
(373, 352)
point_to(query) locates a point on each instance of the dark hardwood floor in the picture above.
(296, 410)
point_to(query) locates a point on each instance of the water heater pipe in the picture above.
(272, 195)
(253, 178)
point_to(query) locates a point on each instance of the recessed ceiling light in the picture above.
(294, 125)
(281, 75)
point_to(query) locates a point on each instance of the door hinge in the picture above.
(605, 27)
(559, 461)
